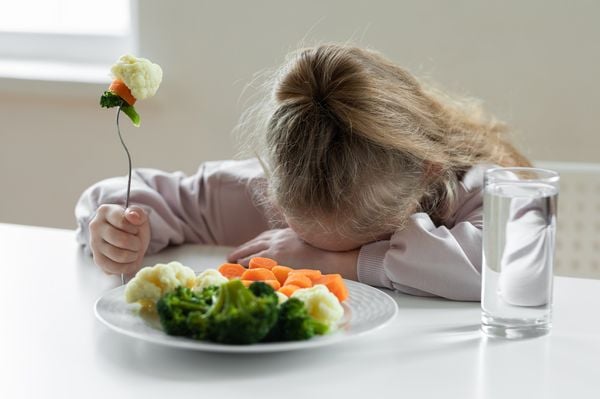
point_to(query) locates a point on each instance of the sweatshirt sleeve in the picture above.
(217, 205)
(429, 260)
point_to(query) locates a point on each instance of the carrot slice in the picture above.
(232, 270)
(289, 289)
(120, 89)
(281, 272)
(335, 284)
(247, 283)
(312, 274)
(273, 283)
(298, 279)
(258, 274)
(265, 263)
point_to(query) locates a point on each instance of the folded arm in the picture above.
(429, 260)
(214, 206)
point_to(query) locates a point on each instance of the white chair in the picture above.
(578, 221)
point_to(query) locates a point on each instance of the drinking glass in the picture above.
(519, 225)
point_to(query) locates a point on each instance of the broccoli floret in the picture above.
(175, 307)
(130, 111)
(110, 100)
(209, 294)
(234, 314)
(294, 323)
(261, 289)
(238, 316)
(197, 323)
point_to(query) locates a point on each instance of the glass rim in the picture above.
(544, 175)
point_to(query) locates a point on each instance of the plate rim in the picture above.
(260, 347)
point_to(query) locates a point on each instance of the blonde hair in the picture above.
(347, 136)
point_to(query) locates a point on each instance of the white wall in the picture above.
(535, 64)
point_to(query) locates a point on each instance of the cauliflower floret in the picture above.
(152, 282)
(321, 304)
(140, 75)
(207, 278)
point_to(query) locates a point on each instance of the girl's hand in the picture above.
(119, 238)
(288, 249)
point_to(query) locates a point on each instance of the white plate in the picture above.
(366, 310)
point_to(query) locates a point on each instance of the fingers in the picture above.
(136, 215)
(115, 254)
(246, 260)
(115, 215)
(247, 249)
(111, 254)
(119, 239)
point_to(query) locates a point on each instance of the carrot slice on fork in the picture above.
(120, 89)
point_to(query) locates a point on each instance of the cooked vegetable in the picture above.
(120, 89)
(281, 296)
(135, 79)
(312, 274)
(294, 323)
(265, 263)
(298, 279)
(273, 283)
(288, 289)
(209, 277)
(281, 272)
(175, 307)
(151, 283)
(252, 306)
(240, 315)
(259, 274)
(140, 75)
(261, 289)
(232, 270)
(321, 304)
(229, 314)
(132, 114)
(335, 284)
(110, 100)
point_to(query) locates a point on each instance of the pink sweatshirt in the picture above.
(217, 206)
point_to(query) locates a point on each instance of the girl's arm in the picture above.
(213, 206)
(429, 260)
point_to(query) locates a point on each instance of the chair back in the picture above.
(578, 219)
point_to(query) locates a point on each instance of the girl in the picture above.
(361, 170)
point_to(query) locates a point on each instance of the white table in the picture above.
(51, 345)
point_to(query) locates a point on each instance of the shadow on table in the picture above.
(406, 301)
(189, 365)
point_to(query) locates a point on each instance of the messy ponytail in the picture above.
(350, 137)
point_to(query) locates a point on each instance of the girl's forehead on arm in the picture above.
(329, 240)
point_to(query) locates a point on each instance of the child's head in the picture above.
(354, 144)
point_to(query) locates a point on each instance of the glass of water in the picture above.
(519, 225)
